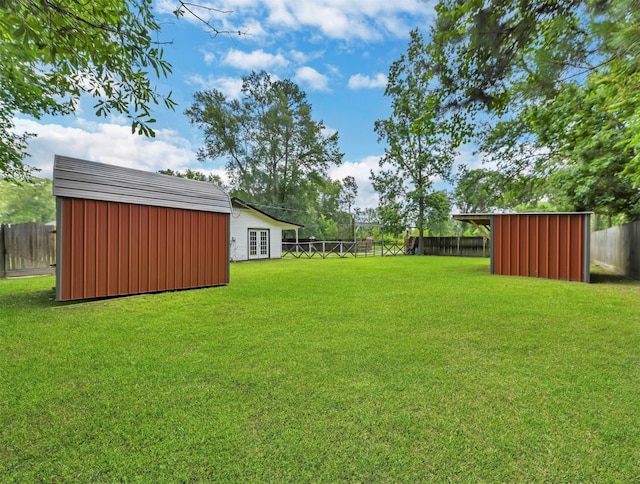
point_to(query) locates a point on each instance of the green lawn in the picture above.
(370, 369)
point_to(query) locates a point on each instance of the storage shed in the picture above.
(547, 245)
(122, 231)
(256, 234)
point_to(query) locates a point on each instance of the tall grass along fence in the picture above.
(618, 249)
(454, 246)
(27, 249)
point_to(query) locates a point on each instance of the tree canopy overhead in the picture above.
(54, 51)
(548, 89)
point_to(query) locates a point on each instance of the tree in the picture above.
(27, 202)
(366, 215)
(528, 78)
(482, 190)
(592, 153)
(53, 52)
(392, 212)
(276, 154)
(438, 213)
(348, 194)
(195, 175)
(418, 151)
(478, 191)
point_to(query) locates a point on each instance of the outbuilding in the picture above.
(256, 234)
(122, 231)
(546, 245)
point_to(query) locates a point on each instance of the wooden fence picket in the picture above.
(27, 249)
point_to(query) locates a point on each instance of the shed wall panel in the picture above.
(102, 263)
(553, 246)
(90, 240)
(113, 249)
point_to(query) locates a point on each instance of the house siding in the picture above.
(241, 221)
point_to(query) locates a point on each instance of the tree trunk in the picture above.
(421, 209)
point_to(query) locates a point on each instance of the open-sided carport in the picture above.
(122, 231)
(547, 245)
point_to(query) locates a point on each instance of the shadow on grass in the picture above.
(38, 299)
(29, 299)
(602, 276)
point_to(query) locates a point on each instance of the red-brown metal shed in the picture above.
(547, 245)
(122, 231)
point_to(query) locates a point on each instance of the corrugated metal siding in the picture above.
(74, 178)
(114, 249)
(552, 246)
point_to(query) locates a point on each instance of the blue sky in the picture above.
(337, 51)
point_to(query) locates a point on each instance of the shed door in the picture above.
(258, 244)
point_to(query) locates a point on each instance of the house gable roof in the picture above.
(236, 202)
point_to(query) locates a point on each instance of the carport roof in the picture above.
(474, 218)
(482, 221)
(485, 218)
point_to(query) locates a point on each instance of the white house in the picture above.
(254, 234)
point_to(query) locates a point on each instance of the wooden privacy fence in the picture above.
(618, 249)
(27, 249)
(456, 246)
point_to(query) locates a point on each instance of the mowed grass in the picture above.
(371, 369)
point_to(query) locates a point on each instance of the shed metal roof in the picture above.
(76, 178)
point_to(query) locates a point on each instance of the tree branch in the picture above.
(189, 7)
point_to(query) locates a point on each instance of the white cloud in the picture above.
(360, 170)
(299, 57)
(468, 157)
(249, 28)
(106, 143)
(209, 58)
(258, 59)
(359, 81)
(328, 131)
(336, 19)
(229, 86)
(312, 79)
(280, 14)
(114, 144)
(349, 19)
(334, 70)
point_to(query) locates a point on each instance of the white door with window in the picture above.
(258, 244)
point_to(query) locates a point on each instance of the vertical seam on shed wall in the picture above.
(568, 248)
(586, 257)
